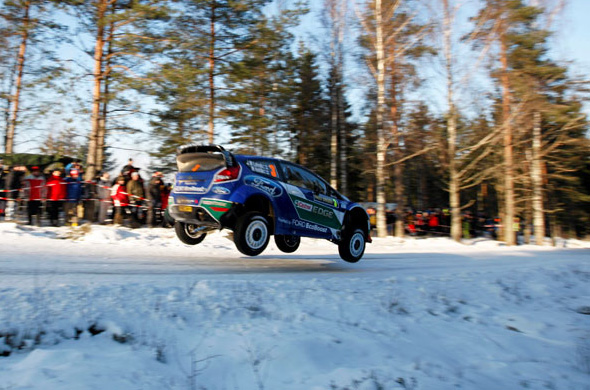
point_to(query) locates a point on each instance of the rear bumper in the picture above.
(195, 215)
(211, 213)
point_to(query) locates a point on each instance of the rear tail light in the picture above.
(227, 174)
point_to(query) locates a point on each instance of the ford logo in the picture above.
(220, 190)
(264, 185)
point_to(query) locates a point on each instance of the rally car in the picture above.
(256, 197)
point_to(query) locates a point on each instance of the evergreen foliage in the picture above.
(236, 72)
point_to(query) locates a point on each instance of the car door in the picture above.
(316, 211)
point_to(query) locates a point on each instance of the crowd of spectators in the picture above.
(64, 197)
(436, 222)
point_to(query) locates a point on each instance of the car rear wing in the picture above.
(194, 148)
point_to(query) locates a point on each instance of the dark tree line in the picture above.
(210, 71)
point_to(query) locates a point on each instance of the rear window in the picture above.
(193, 162)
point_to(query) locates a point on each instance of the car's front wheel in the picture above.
(287, 243)
(352, 245)
(252, 233)
(188, 233)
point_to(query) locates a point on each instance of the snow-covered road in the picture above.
(130, 253)
(136, 309)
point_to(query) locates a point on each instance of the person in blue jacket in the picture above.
(73, 197)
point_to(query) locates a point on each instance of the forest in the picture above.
(426, 104)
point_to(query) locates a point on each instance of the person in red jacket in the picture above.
(56, 193)
(34, 187)
(433, 223)
(120, 200)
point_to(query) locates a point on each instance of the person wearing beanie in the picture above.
(73, 197)
(56, 193)
(34, 189)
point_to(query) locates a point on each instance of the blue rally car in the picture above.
(257, 197)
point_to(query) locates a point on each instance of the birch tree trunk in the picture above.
(508, 221)
(537, 180)
(212, 75)
(381, 143)
(91, 159)
(336, 13)
(454, 184)
(343, 150)
(10, 132)
(333, 136)
(102, 132)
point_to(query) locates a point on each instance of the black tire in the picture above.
(352, 246)
(287, 243)
(188, 233)
(252, 233)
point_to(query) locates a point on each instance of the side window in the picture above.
(263, 167)
(300, 177)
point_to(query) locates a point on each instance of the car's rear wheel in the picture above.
(188, 233)
(287, 243)
(352, 245)
(252, 233)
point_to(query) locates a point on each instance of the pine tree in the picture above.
(541, 122)
(334, 20)
(394, 41)
(262, 83)
(216, 31)
(64, 143)
(309, 125)
(424, 176)
(27, 26)
(122, 36)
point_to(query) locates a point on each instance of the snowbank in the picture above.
(122, 309)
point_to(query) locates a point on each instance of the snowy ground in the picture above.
(136, 309)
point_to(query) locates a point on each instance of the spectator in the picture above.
(3, 189)
(516, 228)
(420, 225)
(155, 189)
(34, 190)
(467, 225)
(73, 197)
(411, 227)
(167, 221)
(120, 200)
(13, 185)
(103, 191)
(75, 164)
(136, 195)
(89, 199)
(128, 170)
(433, 222)
(56, 193)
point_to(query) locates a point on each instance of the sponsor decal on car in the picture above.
(215, 207)
(183, 200)
(262, 167)
(220, 190)
(189, 186)
(264, 185)
(285, 221)
(316, 213)
(309, 226)
(326, 199)
(303, 205)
